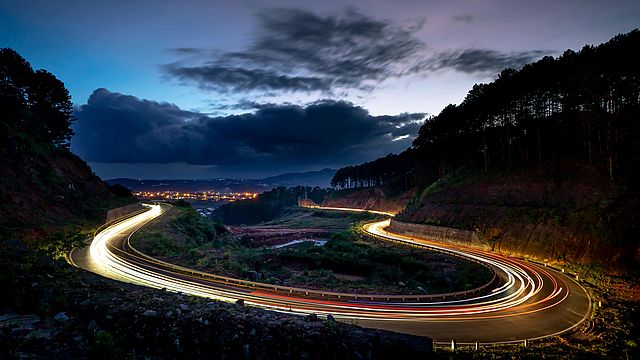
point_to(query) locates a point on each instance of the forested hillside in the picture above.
(42, 183)
(571, 116)
(266, 206)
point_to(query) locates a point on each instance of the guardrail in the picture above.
(129, 250)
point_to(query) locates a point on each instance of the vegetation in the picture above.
(572, 117)
(582, 105)
(34, 103)
(266, 206)
(300, 218)
(345, 263)
(186, 231)
(42, 182)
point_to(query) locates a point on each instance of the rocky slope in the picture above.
(54, 311)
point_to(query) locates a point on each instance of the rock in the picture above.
(20, 331)
(184, 307)
(240, 302)
(150, 313)
(169, 314)
(330, 318)
(253, 332)
(401, 284)
(312, 317)
(253, 275)
(44, 334)
(85, 303)
(245, 351)
(61, 317)
(93, 326)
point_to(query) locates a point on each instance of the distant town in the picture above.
(209, 196)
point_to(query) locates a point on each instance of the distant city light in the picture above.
(210, 196)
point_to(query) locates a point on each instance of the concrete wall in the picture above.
(439, 233)
(122, 211)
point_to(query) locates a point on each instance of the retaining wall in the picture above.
(439, 233)
(122, 211)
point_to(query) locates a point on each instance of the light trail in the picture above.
(524, 290)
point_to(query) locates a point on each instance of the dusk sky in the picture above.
(202, 89)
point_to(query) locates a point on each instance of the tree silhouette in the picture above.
(34, 103)
(582, 106)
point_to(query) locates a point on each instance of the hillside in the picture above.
(368, 198)
(320, 178)
(266, 206)
(543, 161)
(43, 185)
(49, 309)
(553, 212)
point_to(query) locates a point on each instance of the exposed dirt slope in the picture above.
(554, 212)
(369, 198)
(52, 187)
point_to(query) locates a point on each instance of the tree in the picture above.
(51, 108)
(581, 106)
(33, 103)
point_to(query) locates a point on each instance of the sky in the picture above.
(206, 89)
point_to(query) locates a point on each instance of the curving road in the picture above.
(525, 300)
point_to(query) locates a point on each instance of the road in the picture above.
(528, 301)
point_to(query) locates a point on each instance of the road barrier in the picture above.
(134, 254)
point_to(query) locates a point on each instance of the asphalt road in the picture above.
(528, 301)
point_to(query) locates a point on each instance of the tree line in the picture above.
(35, 104)
(266, 206)
(581, 106)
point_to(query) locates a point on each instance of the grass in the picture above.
(300, 218)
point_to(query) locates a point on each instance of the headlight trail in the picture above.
(520, 292)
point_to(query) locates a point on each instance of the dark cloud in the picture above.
(465, 18)
(244, 104)
(481, 60)
(297, 50)
(300, 51)
(116, 128)
(223, 78)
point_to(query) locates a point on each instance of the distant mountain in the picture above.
(321, 178)
(221, 185)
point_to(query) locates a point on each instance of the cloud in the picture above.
(117, 128)
(298, 50)
(225, 79)
(481, 60)
(464, 18)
